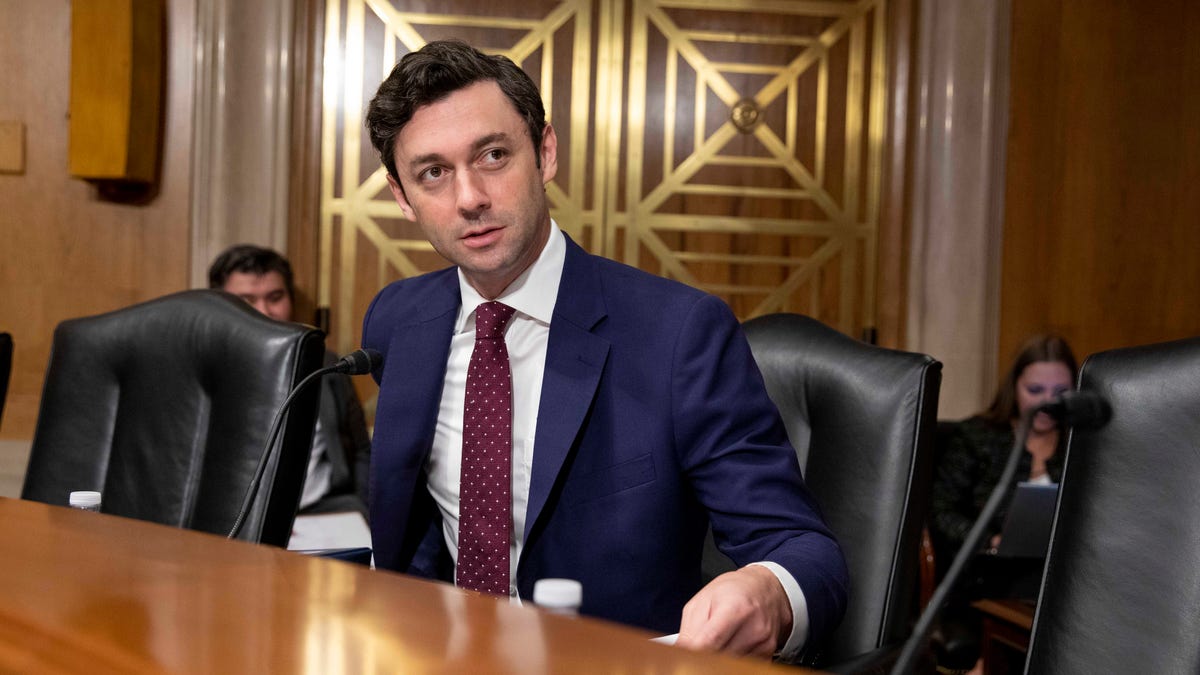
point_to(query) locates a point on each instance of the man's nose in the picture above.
(472, 194)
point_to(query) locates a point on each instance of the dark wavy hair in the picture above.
(1037, 348)
(435, 71)
(249, 259)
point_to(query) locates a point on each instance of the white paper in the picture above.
(666, 639)
(330, 530)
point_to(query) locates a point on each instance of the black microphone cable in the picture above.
(358, 362)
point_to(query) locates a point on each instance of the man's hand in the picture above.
(740, 612)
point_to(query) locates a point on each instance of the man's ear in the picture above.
(549, 152)
(401, 199)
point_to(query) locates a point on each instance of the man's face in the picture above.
(472, 183)
(266, 292)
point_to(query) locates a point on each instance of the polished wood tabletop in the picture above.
(89, 592)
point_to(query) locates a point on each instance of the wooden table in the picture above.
(1006, 628)
(87, 592)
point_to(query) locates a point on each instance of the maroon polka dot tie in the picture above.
(485, 505)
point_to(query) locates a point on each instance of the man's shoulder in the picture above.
(418, 291)
(409, 301)
(422, 283)
(625, 286)
(621, 275)
(641, 306)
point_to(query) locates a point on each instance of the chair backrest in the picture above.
(164, 407)
(1121, 591)
(862, 419)
(6, 351)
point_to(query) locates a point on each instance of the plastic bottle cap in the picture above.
(558, 593)
(84, 498)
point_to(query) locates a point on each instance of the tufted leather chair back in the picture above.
(164, 407)
(1121, 592)
(862, 419)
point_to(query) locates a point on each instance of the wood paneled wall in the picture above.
(65, 251)
(1101, 240)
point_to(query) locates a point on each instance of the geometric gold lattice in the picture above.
(753, 153)
(734, 145)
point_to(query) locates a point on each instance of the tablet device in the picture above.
(1026, 531)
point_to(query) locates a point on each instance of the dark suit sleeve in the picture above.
(735, 450)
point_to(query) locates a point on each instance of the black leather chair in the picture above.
(164, 407)
(862, 419)
(6, 351)
(1121, 592)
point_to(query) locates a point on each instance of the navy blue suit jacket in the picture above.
(653, 419)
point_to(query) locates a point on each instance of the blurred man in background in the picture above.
(336, 481)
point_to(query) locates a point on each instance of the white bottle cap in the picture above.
(558, 594)
(85, 499)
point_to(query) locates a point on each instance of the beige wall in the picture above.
(65, 252)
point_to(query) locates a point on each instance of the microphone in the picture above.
(358, 362)
(1078, 409)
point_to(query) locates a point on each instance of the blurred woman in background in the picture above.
(971, 456)
(976, 449)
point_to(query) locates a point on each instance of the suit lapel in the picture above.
(575, 359)
(416, 368)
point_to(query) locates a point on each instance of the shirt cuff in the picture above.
(795, 642)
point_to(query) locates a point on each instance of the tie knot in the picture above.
(490, 319)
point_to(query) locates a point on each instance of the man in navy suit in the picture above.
(638, 414)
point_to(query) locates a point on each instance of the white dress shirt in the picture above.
(532, 295)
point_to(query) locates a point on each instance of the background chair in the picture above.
(862, 420)
(164, 407)
(6, 350)
(1121, 592)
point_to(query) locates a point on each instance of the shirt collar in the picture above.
(532, 294)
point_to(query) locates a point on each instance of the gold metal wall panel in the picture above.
(734, 145)
(752, 157)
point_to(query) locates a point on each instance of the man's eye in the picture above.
(494, 155)
(432, 173)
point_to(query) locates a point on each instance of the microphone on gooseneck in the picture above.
(1080, 409)
(358, 362)
(1077, 409)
